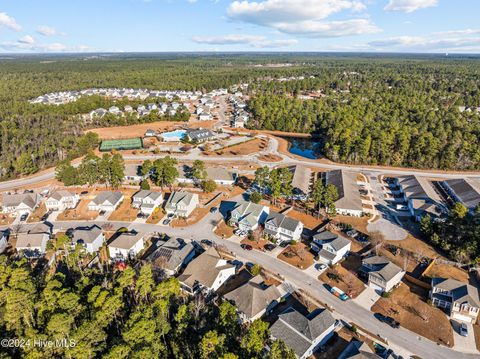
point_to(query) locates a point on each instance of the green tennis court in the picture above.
(126, 144)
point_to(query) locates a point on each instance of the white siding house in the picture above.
(181, 204)
(106, 201)
(126, 245)
(62, 200)
(147, 201)
(283, 228)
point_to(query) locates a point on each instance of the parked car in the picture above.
(24, 217)
(269, 246)
(247, 247)
(102, 213)
(170, 215)
(83, 193)
(387, 320)
(339, 293)
(207, 242)
(166, 222)
(463, 330)
(45, 216)
(320, 267)
(214, 210)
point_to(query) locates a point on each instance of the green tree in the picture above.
(262, 176)
(211, 345)
(255, 197)
(208, 186)
(24, 164)
(279, 350)
(198, 170)
(254, 340)
(165, 171)
(146, 167)
(145, 185)
(67, 174)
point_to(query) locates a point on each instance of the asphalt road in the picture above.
(404, 339)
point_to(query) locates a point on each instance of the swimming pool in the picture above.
(176, 135)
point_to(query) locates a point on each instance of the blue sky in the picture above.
(243, 25)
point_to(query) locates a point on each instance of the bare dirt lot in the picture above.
(297, 255)
(246, 148)
(80, 213)
(118, 132)
(37, 214)
(125, 212)
(343, 276)
(446, 271)
(407, 305)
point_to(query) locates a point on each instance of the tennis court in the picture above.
(126, 144)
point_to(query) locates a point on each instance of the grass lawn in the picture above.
(407, 305)
(297, 255)
(80, 213)
(37, 215)
(125, 212)
(346, 280)
(197, 214)
(446, 271)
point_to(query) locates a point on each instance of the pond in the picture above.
(305, 147)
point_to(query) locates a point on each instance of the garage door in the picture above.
(374, 286)
(464, 318)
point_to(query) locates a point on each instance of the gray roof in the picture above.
(336, 241)
(301, 178)
(418, 187)
(347, 188)
(282, 221)
(126, 240)
(132, 170)
(200, 134)
(87, 235)
(147, 194)
(299, 331)
(383, 267)
(466, 190)
(254, 296)
(204, 269)
(31, 239)
(107, 196)
(358, 350)
(172, 253)
(59, 194)
(14, 200)
(248, 211)
(177, 198)
(461, 292)
(42, 227)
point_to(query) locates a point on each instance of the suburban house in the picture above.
(382, 275)
(19, 204)
(460, 299)
(331, 247)
(126, 245)
(247, 215)
(200, 135)
(349, 202)
(301, 181)
(147, 201)
(91, 238)
(33, 244)
(61, 200)
(181, 204)
(358, 350)
(172, 255)
(219, 175)
(106, 201)
(208, 271)
(464, 190)
(420, 196)
(253, 299)
(133, 174)
(282, 228)
(304, 334)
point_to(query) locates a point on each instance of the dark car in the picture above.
(247, 247)
(83, 193)
(387, 320)
(166, 222)
(214, 210)
(45, 216)
(24, 217)
(207, 242)
(269, 246)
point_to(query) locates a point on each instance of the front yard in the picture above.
(297, 255)
(343, 276)
(37, 215)
(80, 213)
(6, 220)
(408, 305)
(224, 230)
(125, 212)
(156, 216)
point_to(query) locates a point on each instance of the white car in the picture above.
(321, 267)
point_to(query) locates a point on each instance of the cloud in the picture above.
(409, 5)
(255, 41)
(46, 30)
(9, 22)
(34, 47)
(27, 39)
(303, 17)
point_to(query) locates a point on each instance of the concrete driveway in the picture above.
(461, 343)
(367, 298)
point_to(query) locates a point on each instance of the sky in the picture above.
(433, 26)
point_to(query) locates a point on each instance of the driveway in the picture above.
(367, 298)
(464, 344)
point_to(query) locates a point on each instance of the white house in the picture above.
(331, 247)
(283, 228)
(126, 245)
(460, 299)
(32, 245)
(19, 204)
(106, 201)
(147, 201)
(205, 116)
(61, 200)
(3, 241)
(247, 215)
(181, 204)
(206, 272)
(382, 275)
(91, 238)
(132, 174)
(303, 334)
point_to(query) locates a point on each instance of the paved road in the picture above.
(398, 338)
